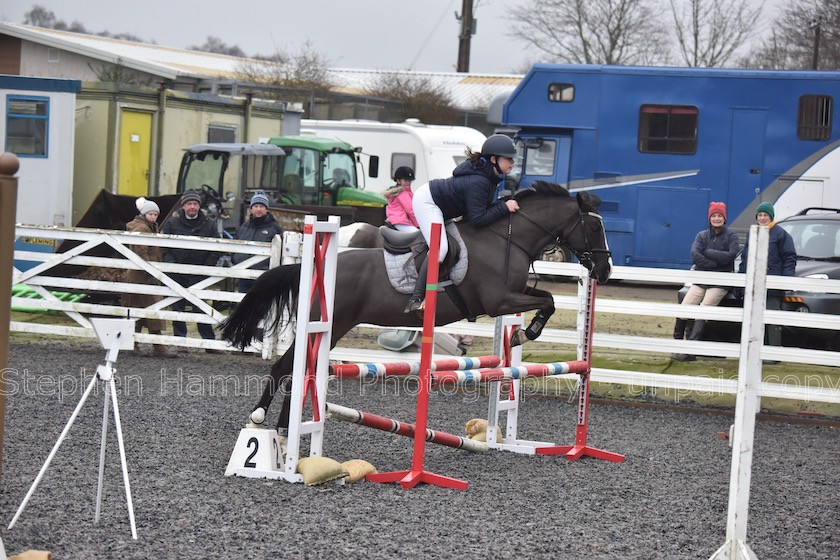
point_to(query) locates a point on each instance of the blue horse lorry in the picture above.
(658, 144)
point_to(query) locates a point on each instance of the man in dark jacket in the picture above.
(261, 226)
(190, 220)
(781, 261)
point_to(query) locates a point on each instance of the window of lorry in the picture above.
(814, 119)
(668, 129)
(27, 125)
(539, 157)
(561, 93)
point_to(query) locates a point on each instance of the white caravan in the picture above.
(431, 150)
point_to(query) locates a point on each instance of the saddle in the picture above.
(405, 251)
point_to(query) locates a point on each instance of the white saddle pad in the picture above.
(403, 274)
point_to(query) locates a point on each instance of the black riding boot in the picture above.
(415, 302)
(679, 333)
(697, 330)
(679, 328)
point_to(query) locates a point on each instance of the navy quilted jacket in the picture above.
(469, 193)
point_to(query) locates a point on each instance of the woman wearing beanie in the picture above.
(145, 222)
(781, 261)
(714, 249)
(261, 226)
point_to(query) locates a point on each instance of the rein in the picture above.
(559, 238)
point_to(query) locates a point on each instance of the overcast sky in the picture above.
(381, 34)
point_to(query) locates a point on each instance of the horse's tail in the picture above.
(277, 288)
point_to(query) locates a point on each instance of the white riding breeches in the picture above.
(427, 213)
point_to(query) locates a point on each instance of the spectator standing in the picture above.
(189, 219)
(261, 226)
(714, 249)
(146, 222)
(781, 261)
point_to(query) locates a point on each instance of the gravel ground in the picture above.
(181, 419)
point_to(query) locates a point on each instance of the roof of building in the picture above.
(466, 91)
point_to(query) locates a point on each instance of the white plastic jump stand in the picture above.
(254, 455)
(746, 400)
(257, 450)
(114, 335)
(505, 326)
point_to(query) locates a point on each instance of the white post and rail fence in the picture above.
(219, 287)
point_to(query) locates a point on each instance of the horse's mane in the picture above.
(542, 187)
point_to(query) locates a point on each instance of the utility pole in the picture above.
(815, 24)
(464, 37)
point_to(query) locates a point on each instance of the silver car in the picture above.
(816, 236)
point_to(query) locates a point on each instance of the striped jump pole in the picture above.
(514, 372)
(346, 414)
(411, 368)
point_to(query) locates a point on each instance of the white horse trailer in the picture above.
(431, 150)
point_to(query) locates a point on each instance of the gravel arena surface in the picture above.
(181, 418)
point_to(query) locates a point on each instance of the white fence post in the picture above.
(746, 404)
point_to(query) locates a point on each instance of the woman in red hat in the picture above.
(714, 249)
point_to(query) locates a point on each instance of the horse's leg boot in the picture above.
(416, 302)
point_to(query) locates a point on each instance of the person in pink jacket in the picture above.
(399, 211)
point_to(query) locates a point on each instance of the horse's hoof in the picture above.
(258, 415)
(518, 338)
(283, 442)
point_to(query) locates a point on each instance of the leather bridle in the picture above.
(559, 239)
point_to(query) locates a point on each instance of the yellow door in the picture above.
(135, 153)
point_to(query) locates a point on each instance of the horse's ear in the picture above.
(588, 202)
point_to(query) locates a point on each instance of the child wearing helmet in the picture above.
(399, 210)
(471, 192)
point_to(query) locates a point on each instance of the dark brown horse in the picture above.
(364, 293)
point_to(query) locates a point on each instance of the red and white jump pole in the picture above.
(513, 372)
(411, 368)
(347, 414)
(417, 474)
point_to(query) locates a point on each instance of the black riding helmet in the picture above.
(498, 145)
(404, 172)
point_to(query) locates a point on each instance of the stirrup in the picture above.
(415, 305)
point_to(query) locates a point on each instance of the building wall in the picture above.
(44, 183)
(180, 121)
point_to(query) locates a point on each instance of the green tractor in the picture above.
(300, 175)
